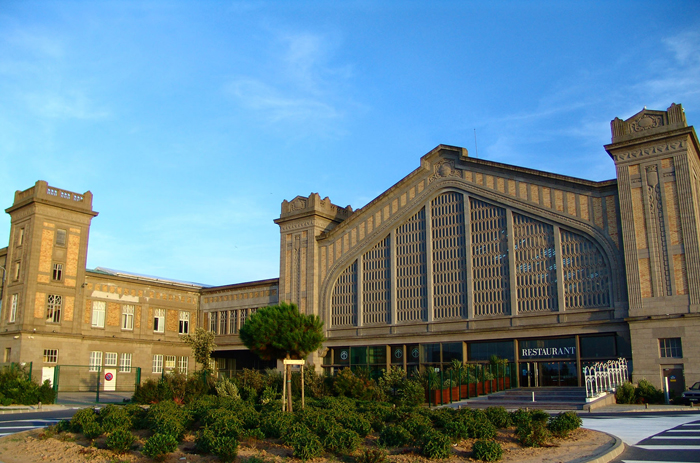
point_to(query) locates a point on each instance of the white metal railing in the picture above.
(605, 376)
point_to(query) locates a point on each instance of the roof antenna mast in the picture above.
(476, 148)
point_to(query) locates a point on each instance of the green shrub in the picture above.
(520, 416)
(63, 426)
(341, 440)
(417, 425)
(305, 443)
(225, 447)
(120, 440)
(274, 423)
(626, 394)
(395, 436)
(371, 456)
(482, 428)
(355, 422)
(204, 440)
(226, 388)
(167, 418)
(82, 417)
(434, 445)
(159, 445)
(539, 415)
(562, 424)
(648, 394)
(137, 415)
(533, 433)
(113, 417)
(152, 391)
(458, 429)
(487, 450)
(253, 434)
(499, 416)
(92, 429)
(223, 423)
(16, 386)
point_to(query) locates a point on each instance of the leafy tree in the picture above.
(202, 344)
(281, 332)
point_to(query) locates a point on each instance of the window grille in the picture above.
(170, 362)
(213, 322)
(184, 327)
(242, 313)
(57, 272)
(411, 272)
(125, 363)
(182, 364)
(449, 256)
(670, 348)
(345, 298)
(98, 314)
(157, 363)
(232, 328)
(159, 320)
(53, 308)
(535, 263)
(95, 361)
(490, 259)
(110, 359)
(13, 308)
(376, 285)
(128, 317)
(586, 274)
(50, 355)
(223, 319)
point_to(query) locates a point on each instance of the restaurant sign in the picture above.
(548, 352)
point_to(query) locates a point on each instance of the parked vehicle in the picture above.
(693, 393)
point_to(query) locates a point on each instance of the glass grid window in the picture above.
(110, 359)
(670, 348)
(95, 361)
(13, 308)
(53, 308)
(98, 314)
(159, 321)
(158, 363)
(125, 363)
(212, 322)
(57, 272)
(128, 317)
(50, 355)
(184, 323)
(170, 362)
(182, 364)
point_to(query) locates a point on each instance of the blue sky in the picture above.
(190, 122)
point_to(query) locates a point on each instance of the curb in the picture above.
(609, 454)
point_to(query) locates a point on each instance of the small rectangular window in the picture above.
(158, 363)
(125, 363)
(212, 322)
(20, 237)
(60, 237)
(57, 272)
(95, 361)
(53, 308)
(50, 355)
(221, 364)
(184, 323)
(13, 308)
(98, 314)
(8, 354)
(670, 348)
(110, 359)
(16, 271)
(233, 315)
(128, 317)
(170, 362)
(159, 320)
(182, 364)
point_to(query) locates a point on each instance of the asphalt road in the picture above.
(652, 437)
(11, 423)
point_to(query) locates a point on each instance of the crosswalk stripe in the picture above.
(675, 437)
(653, 461)
(683, 433)
(668, 447)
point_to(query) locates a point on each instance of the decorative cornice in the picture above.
(662, 148)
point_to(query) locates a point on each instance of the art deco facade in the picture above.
(460, 260)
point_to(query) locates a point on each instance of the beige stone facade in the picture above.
(462, 259)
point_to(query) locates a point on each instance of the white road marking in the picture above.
(663, 436)
(634, 430)
(668, 447)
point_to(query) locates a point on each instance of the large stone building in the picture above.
(462, 259)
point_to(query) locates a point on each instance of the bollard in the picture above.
(533, 396)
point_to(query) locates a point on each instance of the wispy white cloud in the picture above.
(71, 104)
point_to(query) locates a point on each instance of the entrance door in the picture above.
(529, 376)
(676, 380)
(47, 373)
(110, 379)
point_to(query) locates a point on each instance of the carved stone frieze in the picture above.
(646, 122)
(650, 151)
(296, 226)
(444, 169)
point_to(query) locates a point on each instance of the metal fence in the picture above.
(605, 376)
(82, 378)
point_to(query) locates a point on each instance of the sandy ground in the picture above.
(35, 446)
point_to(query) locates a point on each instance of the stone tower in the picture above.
(45, 264)
(658, 172)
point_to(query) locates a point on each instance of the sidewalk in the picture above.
(70, 400)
